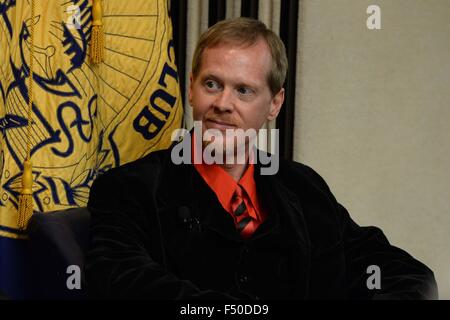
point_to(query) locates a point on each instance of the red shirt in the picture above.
(224, 187)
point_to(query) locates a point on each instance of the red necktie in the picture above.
(245, 224)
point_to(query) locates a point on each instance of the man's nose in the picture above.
(224, 101)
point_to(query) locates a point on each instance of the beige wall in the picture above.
(373, 117)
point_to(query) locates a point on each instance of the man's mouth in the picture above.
(219, 124)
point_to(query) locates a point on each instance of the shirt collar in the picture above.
(224, 185)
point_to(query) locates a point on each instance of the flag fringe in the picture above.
(97, 51)
(25, 210)
(26, 196)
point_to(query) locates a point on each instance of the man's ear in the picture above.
(275, 104)
(191, 84)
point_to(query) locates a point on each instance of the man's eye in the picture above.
(211, 84)
(245, 91)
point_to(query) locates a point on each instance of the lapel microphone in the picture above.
(185, 218)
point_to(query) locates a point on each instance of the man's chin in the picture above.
(223, 147)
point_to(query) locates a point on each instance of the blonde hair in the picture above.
(245, 31)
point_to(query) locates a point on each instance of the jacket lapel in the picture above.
(199, 203)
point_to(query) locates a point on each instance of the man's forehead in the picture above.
(258, 52)
(254, 66)
(238, 44)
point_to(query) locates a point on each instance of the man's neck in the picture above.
(236, 171)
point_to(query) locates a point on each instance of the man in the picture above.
(224, 230)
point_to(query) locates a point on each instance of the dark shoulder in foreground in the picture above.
(297, 174)
(153, 160)
(129, 178)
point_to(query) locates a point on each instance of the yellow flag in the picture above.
(86, 118)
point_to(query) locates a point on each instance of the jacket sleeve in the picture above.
(118, 263)
(368, 254)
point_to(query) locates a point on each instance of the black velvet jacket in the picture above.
(158, 231)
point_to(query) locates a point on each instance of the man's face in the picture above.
(231, 89)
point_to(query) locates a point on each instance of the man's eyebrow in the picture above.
(246, 84)
(210, 76)
(237, 84)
